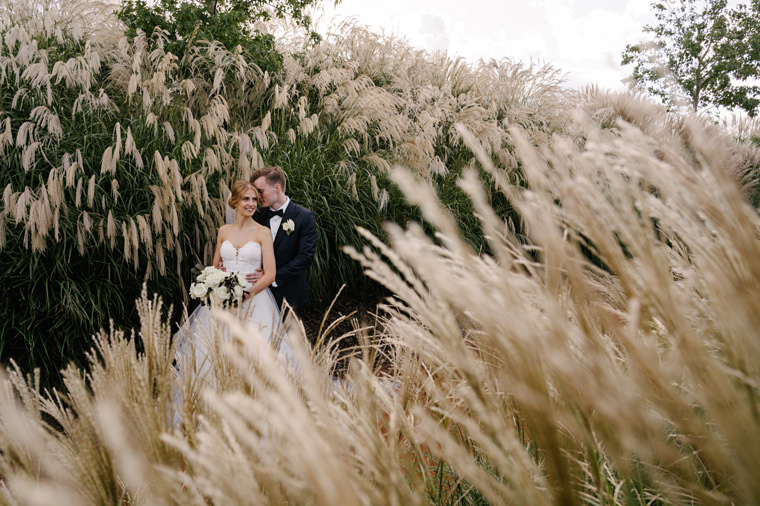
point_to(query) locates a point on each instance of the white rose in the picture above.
(216, 277)
(205, 273)
(221, 293)
(238, 292)
(198, 290)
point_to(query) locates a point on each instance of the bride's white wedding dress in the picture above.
(199, 333)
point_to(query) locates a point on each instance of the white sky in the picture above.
(583, 38)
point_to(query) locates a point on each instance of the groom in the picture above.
(294, 231)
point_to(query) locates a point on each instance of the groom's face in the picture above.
(269, 194)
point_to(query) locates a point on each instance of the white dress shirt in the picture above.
(276, 221)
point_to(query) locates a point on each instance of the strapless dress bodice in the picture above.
(242, 260)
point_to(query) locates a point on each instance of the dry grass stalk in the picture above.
(637, 361)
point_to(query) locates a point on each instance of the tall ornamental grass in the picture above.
(613, 359)
(117, 154)
(633, 382)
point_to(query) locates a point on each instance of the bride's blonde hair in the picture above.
(238, 189)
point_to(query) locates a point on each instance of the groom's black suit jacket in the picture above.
(293, 253)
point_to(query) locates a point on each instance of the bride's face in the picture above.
(248, 203)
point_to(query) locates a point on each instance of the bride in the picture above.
(242, 246)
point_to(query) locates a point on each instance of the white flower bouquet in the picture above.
(218, 288)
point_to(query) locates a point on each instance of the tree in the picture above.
(703, 54)
(227, 21)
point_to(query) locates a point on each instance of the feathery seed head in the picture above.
(211, 161)
(188, 86)
(111, 230)
(91, 192)
(127, 248)
(19, 97)
(6, 138)
(29, 155)
(158, 220)
(26, 134)
(8, 202)
(189, 151)
(373, 185)
(151, 120)
(134, 84)
(106, 162)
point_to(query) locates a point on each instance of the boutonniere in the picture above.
(288, 226)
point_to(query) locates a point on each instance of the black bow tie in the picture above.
(273, 213)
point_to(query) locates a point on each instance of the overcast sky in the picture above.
(583, 38)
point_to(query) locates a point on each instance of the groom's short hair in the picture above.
(272, 174)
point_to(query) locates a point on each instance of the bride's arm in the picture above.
(268, 266)
(217, 262)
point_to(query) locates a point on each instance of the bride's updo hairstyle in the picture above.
(238, 189)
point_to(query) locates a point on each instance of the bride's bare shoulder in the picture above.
(223, 231)
(263, 233)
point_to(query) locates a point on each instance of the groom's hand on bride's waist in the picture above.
(254, 276)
